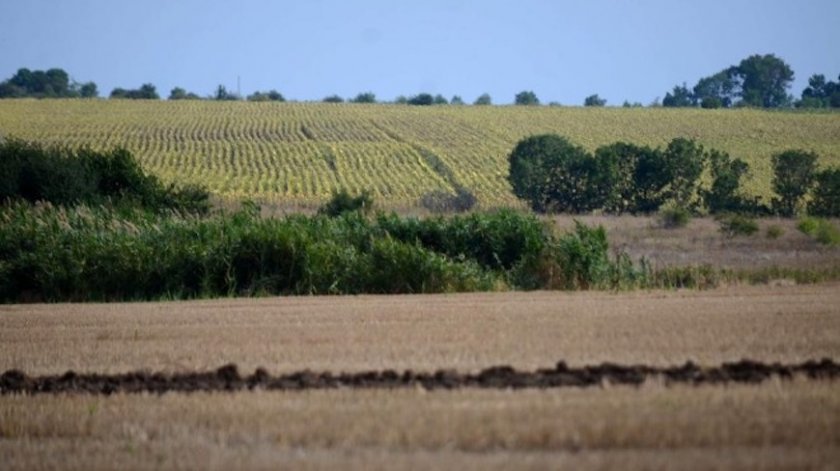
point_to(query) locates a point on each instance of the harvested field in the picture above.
(775, 424)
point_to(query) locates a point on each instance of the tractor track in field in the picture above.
(228, 378)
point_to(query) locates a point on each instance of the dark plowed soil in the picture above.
(228, 378)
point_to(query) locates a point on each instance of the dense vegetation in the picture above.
(63, 176)
(554, 175)
(96, 253)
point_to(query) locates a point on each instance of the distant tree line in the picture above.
(554, 175)
(760, 81)
(52, 83)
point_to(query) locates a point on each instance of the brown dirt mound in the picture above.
(228, 378)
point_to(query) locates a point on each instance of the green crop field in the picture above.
(297, 153)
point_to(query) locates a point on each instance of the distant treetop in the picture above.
(52, 83)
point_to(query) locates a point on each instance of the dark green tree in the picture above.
(271, 95)
(552, 174)
(820, 93)
(483, 99)
(684, 162)
(88, 90)
(793, 175)
(222, 94)
(825, 199)
(526, 98)
(456, 100)
(333, 99)
(422, 99)
(594, 100)
(440, 100)
(680, 97)
(722, 88)
(636, 175)
(765, 81)
(723, 195)
(366, 97)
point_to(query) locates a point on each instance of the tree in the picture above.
(333, 99)
(146, 91)
(723, 87)
(793, 176)
(552, 174)
(723, 195)
(366, 97)
(422, 99)
(594, 100)
(179, 93)
(684, 161)
(765, 80)
(680, 97)
(636, 175)
(820, 93)
(52, 83)
(88, 90)
(456, 100)
(222, 94)
(826, 195)
(483, 99)
(440, 100)
(526, 98)
(271, 95)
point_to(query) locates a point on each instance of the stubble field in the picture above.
(777, 424)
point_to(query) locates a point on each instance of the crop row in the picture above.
(303, 151)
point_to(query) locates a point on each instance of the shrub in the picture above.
(672, 218)
(343, 202)
(684, 160)
(822, 230)
(723, 196)
(737, 225)
(422, 99)
(825, 199)
(526, 98)
(793, 176)
(594, 100)
(440, 201)
(66, 176)
(638, 177)
(774, 232)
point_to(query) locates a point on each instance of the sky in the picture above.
(562, 50)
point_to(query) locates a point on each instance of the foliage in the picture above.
(333, 99)
(793, 176)
(179, 93)
(774, 232)
(724, 196)
(547, 170)
(680, 97)
(684, 160)
(820, 229)
(672, 218)
(526, 98)
(222, 94)
(343, 202)
(52, 83)
(594, 100)
(825, 198)
(98, 253)
(365, 97)
(441, 202)
(483, 99)
(65, 176)
(422, 99)
(440, 100)
(637, 184)
(733, 225)
(456, 100)
(764, 81)
(820, 93)
(271, 95)
(147, 91)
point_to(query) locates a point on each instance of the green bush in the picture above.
(774, 232)
(822, 230)
(343, 202)
(733, 225)
(65, 176)
(825, 200)
(794, 173)
(672, 218)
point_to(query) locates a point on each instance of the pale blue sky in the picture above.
(562, 50)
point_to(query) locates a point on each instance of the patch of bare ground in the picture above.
(701, 242)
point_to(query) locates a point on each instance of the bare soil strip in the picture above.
(228, 378)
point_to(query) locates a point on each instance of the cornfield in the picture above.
(298, 153)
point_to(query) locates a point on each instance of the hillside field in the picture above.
(295, 154)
